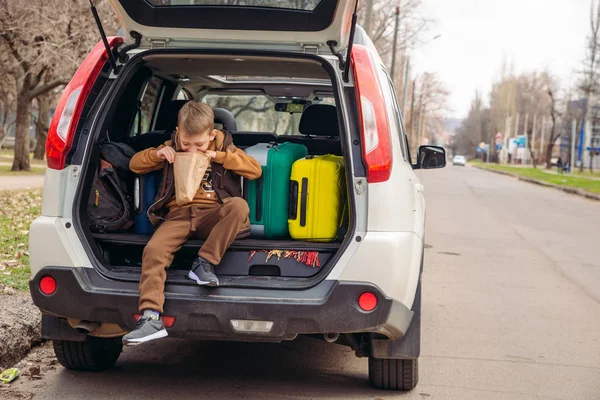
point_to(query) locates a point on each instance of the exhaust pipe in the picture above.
(86, 327)
(331, 337)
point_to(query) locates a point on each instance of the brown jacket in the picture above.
(226, 170)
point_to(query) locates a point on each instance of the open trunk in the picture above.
(251, 86)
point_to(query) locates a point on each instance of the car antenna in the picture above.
(111, 56)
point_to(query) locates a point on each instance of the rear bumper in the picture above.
(201, 312)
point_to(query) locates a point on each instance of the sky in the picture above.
(476, 35)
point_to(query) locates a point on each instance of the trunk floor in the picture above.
(244, 244)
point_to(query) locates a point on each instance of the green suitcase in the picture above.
(268, 196)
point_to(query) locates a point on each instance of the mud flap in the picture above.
(409, 345)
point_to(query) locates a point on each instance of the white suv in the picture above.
(245, 61)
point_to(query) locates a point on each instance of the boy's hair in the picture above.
(195, 117)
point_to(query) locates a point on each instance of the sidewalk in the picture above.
(21, 182)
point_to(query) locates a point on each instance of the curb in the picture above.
(579, 192)
(19, 327)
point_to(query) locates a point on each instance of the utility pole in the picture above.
(532, 146)
(419, 136)
(514, 158)
(506, 138)
(573, 139)
(394, 49)
(367, 25)
(412, 112)
(542, 133)
(526, 138)
(406, 67)
(586, 132)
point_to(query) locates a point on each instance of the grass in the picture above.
(578, 182)
(586, 173)
(35, 170)
(7, 156)
(18, 209)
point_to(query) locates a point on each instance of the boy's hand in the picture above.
(166, 153)
(211, 153)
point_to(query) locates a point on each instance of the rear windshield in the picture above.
(256, 113)
(308, 5)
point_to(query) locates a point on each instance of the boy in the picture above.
(217, 213)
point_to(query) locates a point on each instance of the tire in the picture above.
(393, 374)
(94, 354)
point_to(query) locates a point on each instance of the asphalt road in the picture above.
(511, 300)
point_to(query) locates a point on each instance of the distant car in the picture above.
(459, 160)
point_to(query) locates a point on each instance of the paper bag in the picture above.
(189, 171)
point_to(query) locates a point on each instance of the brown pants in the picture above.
(218, 225)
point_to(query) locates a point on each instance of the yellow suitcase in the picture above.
(317, 198)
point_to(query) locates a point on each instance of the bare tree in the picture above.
(554, 134)
(7, 102)
(412, 26)
(524, 94)
(530, 147)
(476, 128)
(589, 84)
(45, 42)
(42, 124)
(428, 114)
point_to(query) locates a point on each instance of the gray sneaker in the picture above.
(203, 273)
(147, 329)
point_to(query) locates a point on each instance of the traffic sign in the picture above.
(499, 139)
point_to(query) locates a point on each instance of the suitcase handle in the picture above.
(303, 196)
(137, 206)
(245, 188)
(293, 204)
(259, 185)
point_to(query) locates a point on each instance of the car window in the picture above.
(146, 113)
(397, 116)
(256, 113)
(182, 94)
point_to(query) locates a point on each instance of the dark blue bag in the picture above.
(145, 189)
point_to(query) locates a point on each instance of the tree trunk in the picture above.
(531, 153)
(3, 133)
(41, 127)
(549, 154)
(22, 140)
(4, 125)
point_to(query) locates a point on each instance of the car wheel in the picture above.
(93, 354)
(393, 374)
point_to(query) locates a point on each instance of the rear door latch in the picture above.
(158, 43)
(311, 49)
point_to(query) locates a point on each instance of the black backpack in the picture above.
(109, 204)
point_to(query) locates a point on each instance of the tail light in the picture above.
(48, 285)
(69, 108)
(367, 301)
(168, 320)
(376, 141)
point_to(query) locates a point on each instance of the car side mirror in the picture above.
(430, 157)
